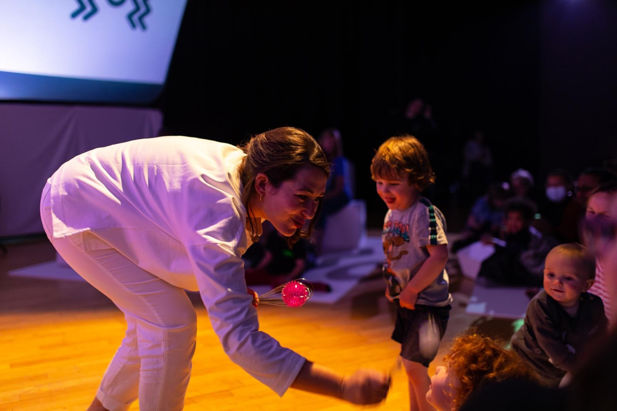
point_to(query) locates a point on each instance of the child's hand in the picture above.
(365, 387)
(407, 298)
(388, 296)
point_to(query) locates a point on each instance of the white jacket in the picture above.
(172, 205)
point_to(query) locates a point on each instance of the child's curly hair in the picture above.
(403, 155)
(477, 359)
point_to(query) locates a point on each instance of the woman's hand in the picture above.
(365, 387)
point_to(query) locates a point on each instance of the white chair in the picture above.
(345, 229)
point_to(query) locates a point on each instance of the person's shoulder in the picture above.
(590, 297)
(592, 300)
(427, 204)
(419, 209)
(426, 207)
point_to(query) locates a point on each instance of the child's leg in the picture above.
(419, 383)
(419, 331)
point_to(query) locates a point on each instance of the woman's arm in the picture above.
(430, 269)
(361, 387)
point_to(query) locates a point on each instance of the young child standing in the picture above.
(415, 245)
(562, 317)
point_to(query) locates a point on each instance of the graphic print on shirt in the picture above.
(395, 234)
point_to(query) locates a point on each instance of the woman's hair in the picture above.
(601, 174)
(476, 360)
(403, 155)
(279, 154)
(608, 188)
(578, 254)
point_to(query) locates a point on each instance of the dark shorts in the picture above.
(420, 331)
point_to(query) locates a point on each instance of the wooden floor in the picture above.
(56, 338)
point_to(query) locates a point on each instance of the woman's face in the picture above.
(443, 388)
(289, 206)
(598, 204)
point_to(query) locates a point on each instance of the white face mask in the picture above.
(556, 193)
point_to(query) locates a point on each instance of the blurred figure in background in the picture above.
(418, 121)
(519, 258)
(560, 213)
(477, 165)
(485, 217)
(598, 209)
(522, 186)
(589, 179)
(339, 188)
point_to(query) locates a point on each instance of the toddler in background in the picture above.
(518, 259)
(561, 318)
(415, 246)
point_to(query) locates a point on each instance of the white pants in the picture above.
(154, 359)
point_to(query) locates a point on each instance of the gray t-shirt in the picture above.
(405, 237)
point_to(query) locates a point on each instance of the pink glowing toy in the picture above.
(292, 294)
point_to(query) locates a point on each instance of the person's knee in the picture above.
(184, 325)
(178, 328)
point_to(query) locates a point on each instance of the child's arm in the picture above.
(429, 270)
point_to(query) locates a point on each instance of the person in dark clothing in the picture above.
(519, 255)
(561, 318)
(273, 261)
(560, 213)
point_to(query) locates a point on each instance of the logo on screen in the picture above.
(135, 17)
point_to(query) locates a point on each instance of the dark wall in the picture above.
(578, 102)
(242, 68)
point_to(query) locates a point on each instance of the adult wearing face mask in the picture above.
(559, 212)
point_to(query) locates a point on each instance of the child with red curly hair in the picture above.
(473, 360)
